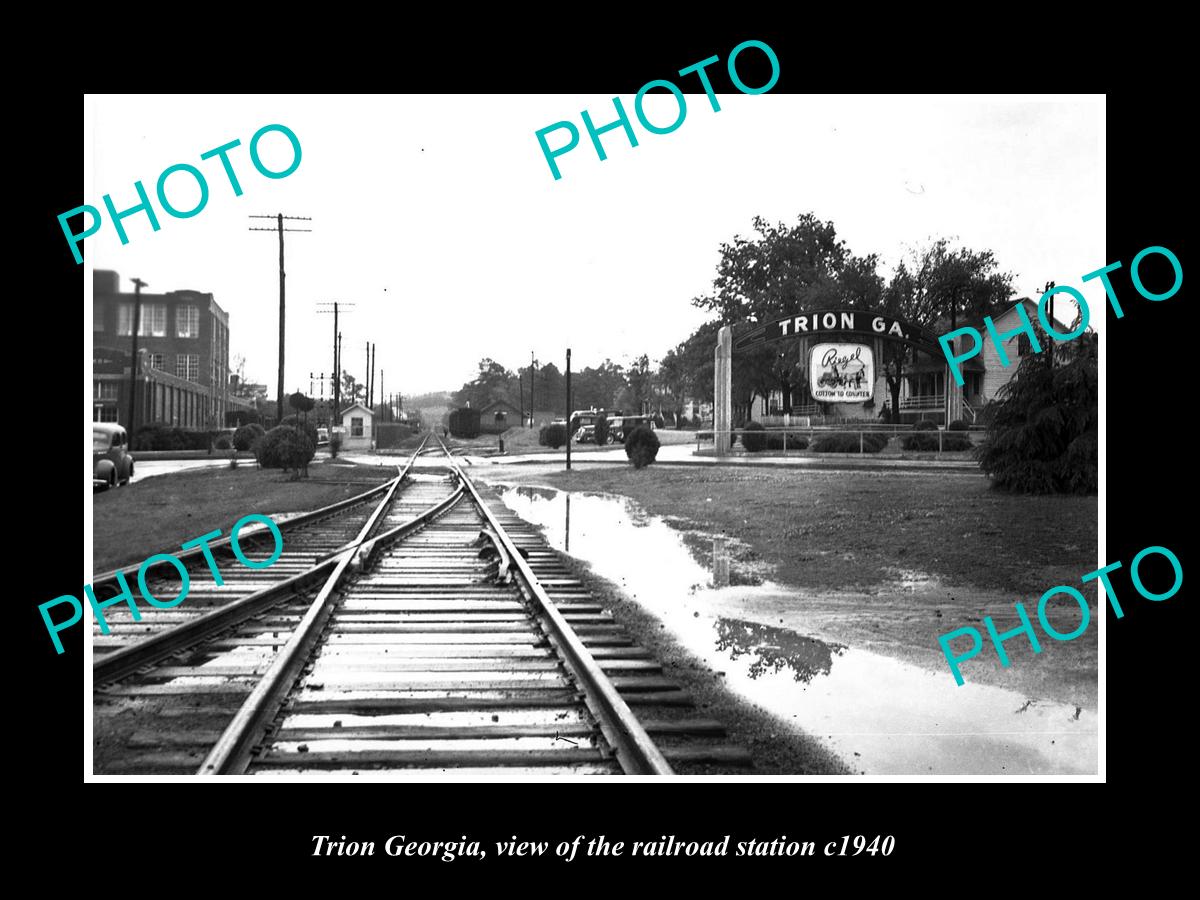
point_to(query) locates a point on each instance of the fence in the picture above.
(875, 439)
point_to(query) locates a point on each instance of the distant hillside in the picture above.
(433, 406)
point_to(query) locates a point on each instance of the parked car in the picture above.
(322, 434)
(583, 424)
(620, 426)
(112, 465)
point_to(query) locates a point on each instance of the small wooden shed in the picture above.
(358, 431)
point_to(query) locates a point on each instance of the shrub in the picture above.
(641, 446)
(926, 441)
(309, 431)
(542, 435)
(244, 437)
(284, 447)
(754, 438)
(958, 425)
(556, 435)
(223, 443)
(601, 430)
(846, 442)
(335, 444)
(925, 425)
(696, 423)
(159, 436)
(659, 422)
(794, 442)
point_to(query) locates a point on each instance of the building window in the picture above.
(152, 324)
(101, 413)
(187, 365)
(356, 426)
(104, 390)
(97, 316)
(157, 361)
(187, 321)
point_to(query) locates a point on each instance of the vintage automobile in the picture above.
(583, 424)
(619, 427)
(112, 465)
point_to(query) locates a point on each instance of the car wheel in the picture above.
(112, 480)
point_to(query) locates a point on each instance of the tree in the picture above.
(352, 391)
(938, 286)
(638, 386)
(301, 403)
(1043, 425)
(784, 270)
(491, 383)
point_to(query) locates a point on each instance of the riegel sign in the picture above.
(840, 373)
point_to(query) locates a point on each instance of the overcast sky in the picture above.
(438, 217)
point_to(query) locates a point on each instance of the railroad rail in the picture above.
(444, 635)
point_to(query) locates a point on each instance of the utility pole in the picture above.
(568, 411)
(381, 393)
(371, 387)
(337, 355)
(532, 373)
(279, 217)
(138, 284)
(367, 379)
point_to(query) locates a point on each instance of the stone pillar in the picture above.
(723, 391)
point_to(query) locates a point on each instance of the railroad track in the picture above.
(308, 539)
(446, 636)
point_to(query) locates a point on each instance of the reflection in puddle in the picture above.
(774, 649)
(720, 563)
(881, 715)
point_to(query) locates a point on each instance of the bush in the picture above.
(696, 422)
(601, 430)
(958, 425)
(794, 442)
(245, 437)
(641, 446)
(309, 431)
(926, 441)
(754, 438)
(659, 421)
(542, 435)
(223, 443)
(846, 442)
(284, 447)
(335, 444)
(925, 425)
(556, 435)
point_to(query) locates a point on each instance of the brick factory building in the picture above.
(183, 357)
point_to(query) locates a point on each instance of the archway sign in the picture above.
(846, 341)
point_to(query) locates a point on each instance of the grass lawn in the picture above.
(889, 561)
(160, 513)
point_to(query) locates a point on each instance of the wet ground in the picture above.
(879, 714)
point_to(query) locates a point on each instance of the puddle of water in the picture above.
(881, 715)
